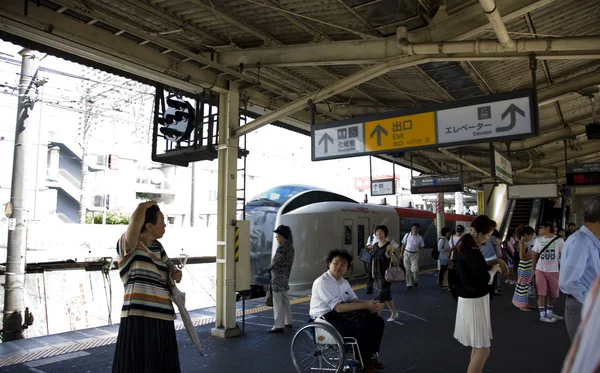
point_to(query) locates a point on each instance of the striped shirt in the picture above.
(144, 272)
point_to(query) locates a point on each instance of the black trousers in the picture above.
(452, 274)
(367, 330)
(443, 269)
(492, 287)
(369, 269)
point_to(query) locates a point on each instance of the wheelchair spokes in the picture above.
(317, 348)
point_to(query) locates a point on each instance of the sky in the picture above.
(277, 156)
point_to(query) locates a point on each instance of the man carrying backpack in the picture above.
(411, 252)
(444, 249)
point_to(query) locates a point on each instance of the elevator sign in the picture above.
(506, 116)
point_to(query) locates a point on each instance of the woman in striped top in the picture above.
(525, 273)
(146, 342)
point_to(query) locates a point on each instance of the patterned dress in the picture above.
(146, 342)
(281, 267)
(525, 273)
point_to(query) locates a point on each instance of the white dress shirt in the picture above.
(327, 292)
(413, 242)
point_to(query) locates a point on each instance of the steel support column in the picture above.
(225, 325)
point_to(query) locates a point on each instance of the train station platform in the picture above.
(419, 341)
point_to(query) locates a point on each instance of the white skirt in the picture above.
(473, 326)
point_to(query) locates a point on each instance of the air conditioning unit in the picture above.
(101, 201)
(101, 161)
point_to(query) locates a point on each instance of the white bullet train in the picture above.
(320, 221)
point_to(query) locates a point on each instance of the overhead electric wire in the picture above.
(10, 61)
(80, 111)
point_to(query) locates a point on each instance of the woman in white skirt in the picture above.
(473, 327)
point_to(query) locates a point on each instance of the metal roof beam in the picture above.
(97, 45)
(317, 34)
(329, 91)
(469, 23)
(373, 51)
(93, 44)
(520, 7)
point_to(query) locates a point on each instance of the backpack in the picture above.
(435, 253)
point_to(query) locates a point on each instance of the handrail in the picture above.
(510, 208)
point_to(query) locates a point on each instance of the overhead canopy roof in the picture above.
(351, 57)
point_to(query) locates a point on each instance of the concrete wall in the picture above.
(76, 299)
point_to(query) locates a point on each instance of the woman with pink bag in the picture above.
(385, 254)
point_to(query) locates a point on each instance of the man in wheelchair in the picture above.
(334, 300)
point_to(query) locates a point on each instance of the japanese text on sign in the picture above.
(400, 132)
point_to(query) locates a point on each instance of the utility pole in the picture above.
(23, 177)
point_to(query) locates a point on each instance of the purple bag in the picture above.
(394, 274)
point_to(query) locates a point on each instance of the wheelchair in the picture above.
(318, 347)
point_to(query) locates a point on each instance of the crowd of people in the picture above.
(471, 261)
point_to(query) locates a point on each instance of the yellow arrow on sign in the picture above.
(400, 132)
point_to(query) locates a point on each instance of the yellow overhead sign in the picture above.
(408, 131)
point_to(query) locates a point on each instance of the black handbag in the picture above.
(365, 256)
(269, 297)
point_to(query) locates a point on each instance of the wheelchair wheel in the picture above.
(318, 348)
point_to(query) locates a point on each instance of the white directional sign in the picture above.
(485, 121)
(384, 187)
(502, 168)
(339, 141)
(501, 117)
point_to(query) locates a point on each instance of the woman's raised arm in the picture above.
(135, 224)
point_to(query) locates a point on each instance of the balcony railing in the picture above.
(68, 183)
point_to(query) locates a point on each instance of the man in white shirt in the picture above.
(411, 252)
(334, 300)
(371, 242)
(546, 256)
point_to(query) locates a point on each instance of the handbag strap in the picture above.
(548, 244)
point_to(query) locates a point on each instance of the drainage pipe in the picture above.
(491, 11)
(488, 46)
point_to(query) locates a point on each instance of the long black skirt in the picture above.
(146, 345)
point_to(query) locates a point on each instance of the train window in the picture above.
(347, 232)
(360, 236)
(277, 196)
(315, 196)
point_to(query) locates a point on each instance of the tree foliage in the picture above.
(111, 218)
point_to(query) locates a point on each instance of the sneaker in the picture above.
(408, 288)
(547, 319)
(557, 317)
(507, 281)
